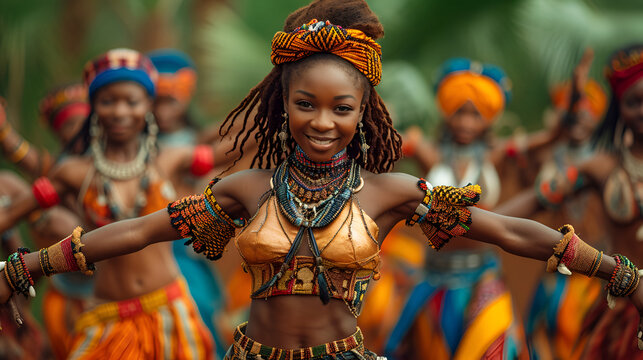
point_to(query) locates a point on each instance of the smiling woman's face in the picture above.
(121, 109)
(324, 106)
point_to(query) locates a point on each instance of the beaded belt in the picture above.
(351, 347)
(118, 310)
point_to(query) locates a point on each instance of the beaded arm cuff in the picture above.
(443, 212)
(572, 253)
(65, 256)
(201, 219)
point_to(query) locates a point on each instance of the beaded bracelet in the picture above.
(65, 256)
(20, 152)
(18, 275)
(624, 280)
(596, 264)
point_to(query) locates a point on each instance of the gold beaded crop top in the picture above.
(341, 237)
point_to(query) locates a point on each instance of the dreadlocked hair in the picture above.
(264, 104)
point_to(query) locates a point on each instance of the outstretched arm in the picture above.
(119, 238)
(35, 162)
(200, 218)
(445, 212)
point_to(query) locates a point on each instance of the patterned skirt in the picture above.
(163, 324)
(461, 310)
(350, 348)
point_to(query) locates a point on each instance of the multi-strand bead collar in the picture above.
(311, 195)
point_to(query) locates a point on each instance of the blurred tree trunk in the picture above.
(158, 29)
(76, 17)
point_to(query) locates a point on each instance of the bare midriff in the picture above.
(298, 321)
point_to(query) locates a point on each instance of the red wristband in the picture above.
(409, 148)
(45, 193)
(202, 160)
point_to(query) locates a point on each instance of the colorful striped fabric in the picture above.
(120, 65)
(62, 103)
(163, 324)
(177, 75)
(465, 314)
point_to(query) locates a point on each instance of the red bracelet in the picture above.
(45, 193)
(409, 148)
(21, 252)
(202, 160)
(618, 265)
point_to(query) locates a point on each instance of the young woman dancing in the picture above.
(325, 143)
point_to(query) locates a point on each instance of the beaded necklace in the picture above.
(109, 171)
(312, 195)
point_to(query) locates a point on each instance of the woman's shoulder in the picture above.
(245, 188)
(244, 182)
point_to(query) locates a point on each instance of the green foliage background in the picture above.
(46, 42)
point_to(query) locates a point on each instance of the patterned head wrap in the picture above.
(593, 100)
(62, 103)
(120, 65)
(461, 80)
(323, 37)
(177, 75)
(625, 70)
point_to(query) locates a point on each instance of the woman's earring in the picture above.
(362, 142)
(152, 127)
(152, 132)
(94, 128)
(283, 134)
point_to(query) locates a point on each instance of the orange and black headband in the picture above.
(323, 37)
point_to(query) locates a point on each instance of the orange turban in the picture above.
(179, 85)
(459, 87)
(593, 98)
(323, 37)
